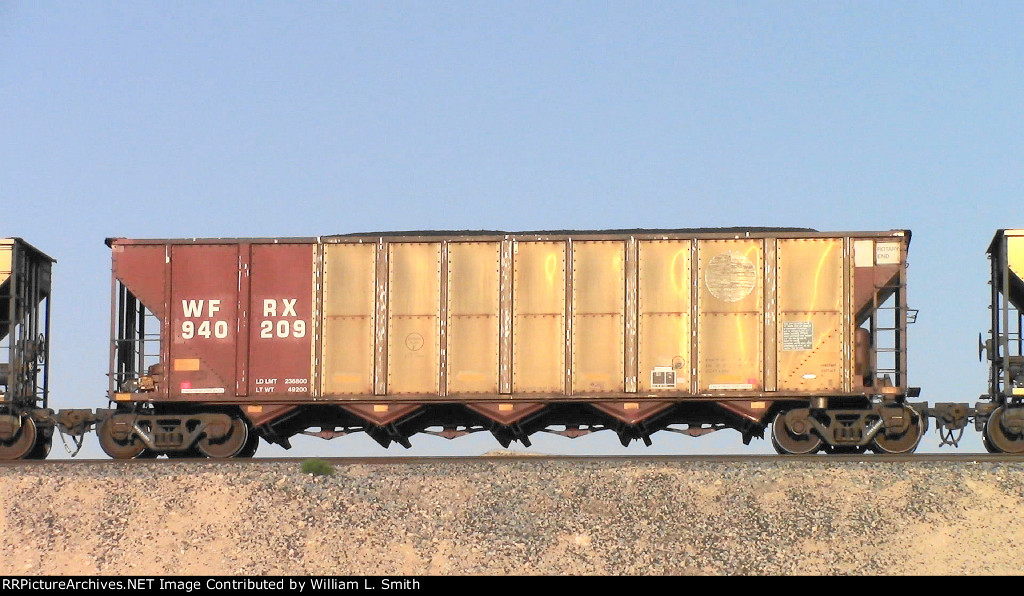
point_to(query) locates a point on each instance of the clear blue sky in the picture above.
(296, 119)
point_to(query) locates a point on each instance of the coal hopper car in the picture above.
(794, 332)
(1000, 414)
(26, 423)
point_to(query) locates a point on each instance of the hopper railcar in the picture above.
(803, 334)
(1000, 416)
(26, 423)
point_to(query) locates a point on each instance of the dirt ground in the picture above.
(516, 517)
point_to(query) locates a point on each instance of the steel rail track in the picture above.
(959, 458)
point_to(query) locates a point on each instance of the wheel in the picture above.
(228, 446)
(22, 443)
(42, 447)
(251, 446)
(905, 443)
(1001, 438)
(129, 448)
(788, 443)
(988, 444)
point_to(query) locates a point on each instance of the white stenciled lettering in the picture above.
(282, 328)
(206, 329)
(287, 307)
(192, 308)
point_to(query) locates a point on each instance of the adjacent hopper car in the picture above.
(26, 428)
(1001, 416)
(219, 343)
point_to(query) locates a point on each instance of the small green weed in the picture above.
(317, 467)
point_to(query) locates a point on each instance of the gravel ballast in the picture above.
(514, 517)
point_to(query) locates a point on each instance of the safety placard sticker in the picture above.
(663, 377)
(797, 336)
